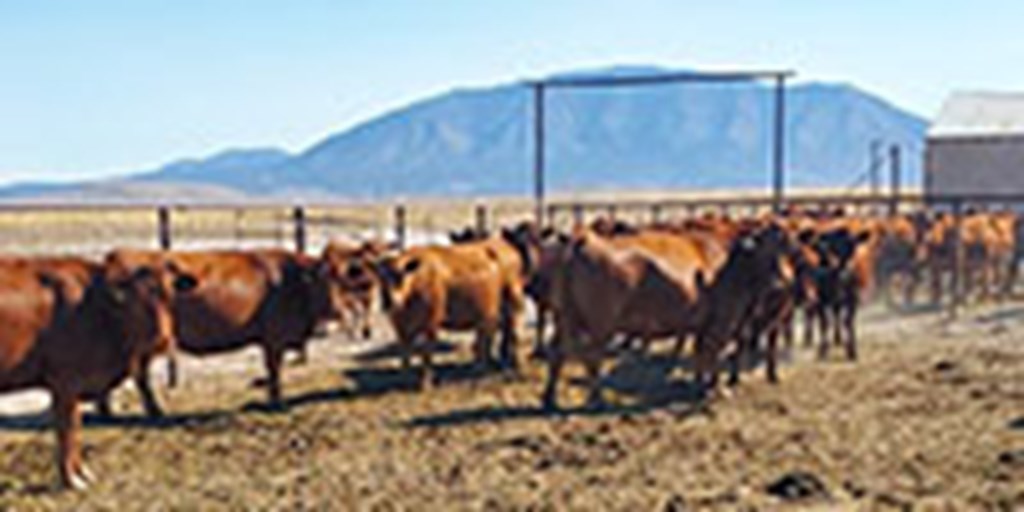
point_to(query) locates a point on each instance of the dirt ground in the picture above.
(930, 418)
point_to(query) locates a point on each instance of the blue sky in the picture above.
(100, 87)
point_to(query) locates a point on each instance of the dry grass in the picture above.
(921, 421)
(94, 231)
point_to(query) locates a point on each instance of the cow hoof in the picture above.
(86, 474)
(549, 405)
(155, 413)
(74, 483)
(595, 403)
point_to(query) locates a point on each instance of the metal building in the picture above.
(976, 145)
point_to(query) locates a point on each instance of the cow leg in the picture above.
(172, 370)
(149, 402)
(538, 340)
(850, 321)
(936, 285)
(823, 332)
(104, 407)
(484, 346)
(910, 286)
(272, 359)
(771, 355)
(837, 324)
(677, 349)
(788, 327)
(555, 355)
(367, 328)
(509, 346)
(592, 362)
(427, 377)
(68, 421)
(809, 319)
(705, 366)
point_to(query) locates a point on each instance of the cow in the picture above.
(598, 290)
(272, 298)
(900, 257)
(747, 296)
(350, 267)
(465, 287)
(78, 329)
(841, 276)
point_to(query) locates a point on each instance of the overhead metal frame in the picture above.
(540, 88)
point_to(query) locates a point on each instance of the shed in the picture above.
(976, 145)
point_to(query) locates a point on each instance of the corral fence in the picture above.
(93, 229)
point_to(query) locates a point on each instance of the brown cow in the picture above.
(900, 256)
(351, 269)
(272, 298)
(741, 300)
(463, 287)
(77, 329)
(599, 290)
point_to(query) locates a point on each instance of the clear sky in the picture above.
(100, 87)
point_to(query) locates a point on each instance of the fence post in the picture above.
(163, 215)
(612, 210)
(299, 217)
(552, 213)
(577, 214)
(894, 179)
(400, 225)
(656, 213)
(481, 218)
(956, 299)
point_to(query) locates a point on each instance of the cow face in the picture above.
(140, 302)
(340, 279)
(836, 248)
(527, 238)
(395, 274)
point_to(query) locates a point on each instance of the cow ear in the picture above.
(411, 266)
(547, 233)
(862, 237)
(184, 283)
(805, 236)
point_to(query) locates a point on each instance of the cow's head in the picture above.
(527, 238)
(396, 275)
(343, 275)
(139, 301)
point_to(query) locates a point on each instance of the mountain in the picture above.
(478, 142)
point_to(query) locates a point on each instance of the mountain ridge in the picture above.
(476, 141)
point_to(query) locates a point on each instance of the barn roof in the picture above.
(980, 114)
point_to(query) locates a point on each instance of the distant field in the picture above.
(93, 231)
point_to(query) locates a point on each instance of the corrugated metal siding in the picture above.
(975, 166)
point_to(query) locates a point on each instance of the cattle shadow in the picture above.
(42, 421)
(376, 379)
(644, 382)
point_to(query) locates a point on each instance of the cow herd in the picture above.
(722, 289)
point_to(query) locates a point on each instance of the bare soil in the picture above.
(930, 418)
